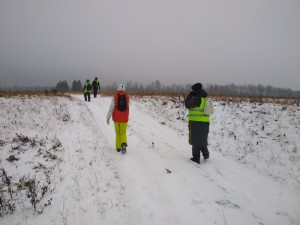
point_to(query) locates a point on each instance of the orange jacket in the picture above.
(120, 116)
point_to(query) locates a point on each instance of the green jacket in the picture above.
(87, 88)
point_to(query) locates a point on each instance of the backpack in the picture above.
(89, 87)
(209, 108)
(122, 102)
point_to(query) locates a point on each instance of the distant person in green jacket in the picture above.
(96, 86)
(87, 89)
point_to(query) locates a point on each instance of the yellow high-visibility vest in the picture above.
(197, 114)
(86, 89)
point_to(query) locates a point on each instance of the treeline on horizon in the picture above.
(157, 88)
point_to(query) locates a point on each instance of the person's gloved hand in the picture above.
(107, 121)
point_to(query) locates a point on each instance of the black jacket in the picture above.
(96, 84)
(194, 99)
(198, 131)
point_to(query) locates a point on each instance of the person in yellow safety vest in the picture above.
(198, 122)
(96, 86)
(87, 89)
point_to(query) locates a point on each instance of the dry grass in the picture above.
(257, 99)
(50, 93)
(251, 99)
(227, 98)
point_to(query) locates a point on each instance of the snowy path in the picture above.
(154, 183)
(218, 191)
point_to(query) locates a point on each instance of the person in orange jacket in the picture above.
(119, 110)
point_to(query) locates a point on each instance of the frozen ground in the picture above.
(59, 166)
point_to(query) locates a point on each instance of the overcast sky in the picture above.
(174, 41)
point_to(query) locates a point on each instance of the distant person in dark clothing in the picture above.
(96, 86)
(87, 89)
(198, 122)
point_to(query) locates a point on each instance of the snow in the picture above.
(66, 147)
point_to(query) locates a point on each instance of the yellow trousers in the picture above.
(121, 137)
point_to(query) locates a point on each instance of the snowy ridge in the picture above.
(154, 183)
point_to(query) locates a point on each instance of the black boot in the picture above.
(205, 152)
(195, 160)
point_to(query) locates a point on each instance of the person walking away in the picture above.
(87, 89)
(119, 110)
(198, 122)
(96, 86)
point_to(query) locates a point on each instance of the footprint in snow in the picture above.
(117, 175)
(228, 204)
(218, 171)
(223, 189)
(286, 216)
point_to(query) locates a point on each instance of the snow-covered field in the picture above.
(58, 164)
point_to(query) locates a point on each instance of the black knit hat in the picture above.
(197, 87)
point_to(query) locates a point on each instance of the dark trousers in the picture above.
(196, 152)
(95, 93)
(87, 96)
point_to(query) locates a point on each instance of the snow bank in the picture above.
(265, 136)
(44, 165)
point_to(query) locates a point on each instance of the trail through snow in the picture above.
(219, 191)
(155, 182)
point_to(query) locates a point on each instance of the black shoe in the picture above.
(123, 146)
(118, 149)
(195, 160)
(206, 157)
